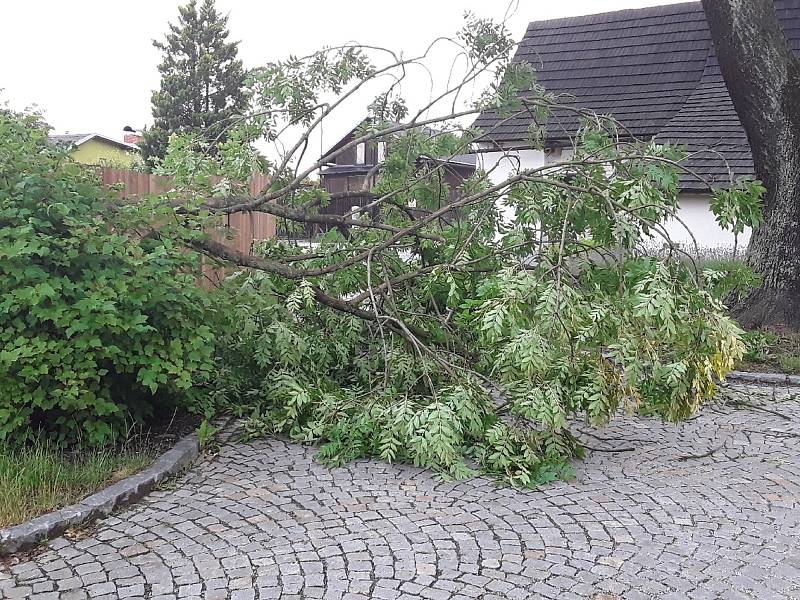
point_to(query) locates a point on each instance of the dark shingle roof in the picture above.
(654, 69)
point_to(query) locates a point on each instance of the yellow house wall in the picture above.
(97, 152)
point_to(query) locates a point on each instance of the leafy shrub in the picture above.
(759, 346)
(98, 322)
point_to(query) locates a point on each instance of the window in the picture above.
(556, 156)
(381, 151)
(361, 153)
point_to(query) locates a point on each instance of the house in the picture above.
(353, 170)
(96, 149)
(351, 175)
(653, 69)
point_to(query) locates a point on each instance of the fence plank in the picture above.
(238, 230)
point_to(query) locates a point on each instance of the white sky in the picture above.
(90, 65)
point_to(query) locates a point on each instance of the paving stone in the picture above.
(264, 520)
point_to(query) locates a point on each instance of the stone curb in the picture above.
(765, 378)
(30, 534)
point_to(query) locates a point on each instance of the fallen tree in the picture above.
(461, 334)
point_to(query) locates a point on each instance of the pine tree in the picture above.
(202, 81)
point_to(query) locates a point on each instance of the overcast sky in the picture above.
(90, 65)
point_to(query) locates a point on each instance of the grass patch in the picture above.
(41, 477)
(790, 364)
(771, 352)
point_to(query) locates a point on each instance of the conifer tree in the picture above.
(202, 81)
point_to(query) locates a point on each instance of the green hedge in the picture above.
(99, 323)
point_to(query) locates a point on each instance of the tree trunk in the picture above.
(774, 250)
(763, 78)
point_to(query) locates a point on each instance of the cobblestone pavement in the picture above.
(264, 520)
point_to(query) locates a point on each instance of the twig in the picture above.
(706, 454)
(761, 408)
(611, 439)
(775, 433)
(608, 449)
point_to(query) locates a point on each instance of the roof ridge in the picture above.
(63, 135)
(82, 138)
(622, 14)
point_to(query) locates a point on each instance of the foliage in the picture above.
(99, 323)
(319, 376)
(738, 206)
(731, 280)
(202, 82)
(41, 477)
(728, 278)
(554, 352)
(759, 346)
(461, 325)
(570, 336)
(206, 435)
(656, 342)
(771, 350)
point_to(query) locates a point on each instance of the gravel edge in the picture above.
(30, 534)
(765, 378)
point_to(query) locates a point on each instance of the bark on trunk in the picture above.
(763, 78)
(774, 250)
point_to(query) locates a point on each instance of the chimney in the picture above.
(131, 135)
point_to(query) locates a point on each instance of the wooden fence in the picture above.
(238, 230)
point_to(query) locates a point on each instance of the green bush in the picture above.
(759, 346)
(100, 323)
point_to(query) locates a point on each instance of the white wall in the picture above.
(695, 213)
(502, 165)
(694, 208)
